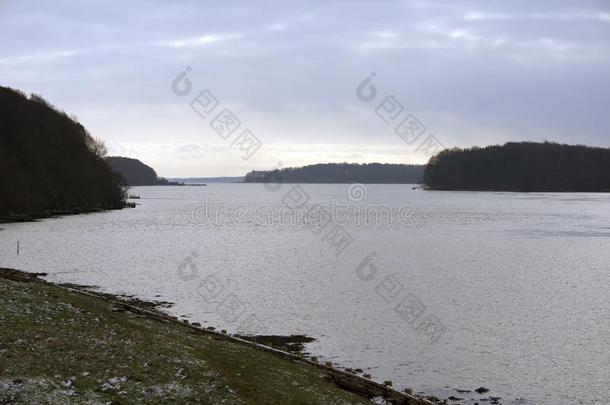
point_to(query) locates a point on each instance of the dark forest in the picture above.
(341, 173)
(49, 163)
(521, 166)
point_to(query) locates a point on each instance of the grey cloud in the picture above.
(471, 70)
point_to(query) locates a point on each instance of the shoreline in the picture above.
(48, 214)
(346, 381)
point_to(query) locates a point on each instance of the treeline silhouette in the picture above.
(341, 173)
(521, 166)
(49, 163)
(137, 173)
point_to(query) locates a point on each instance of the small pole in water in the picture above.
(17, 247)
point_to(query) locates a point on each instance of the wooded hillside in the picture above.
(49, 162)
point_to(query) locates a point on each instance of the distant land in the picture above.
(137, 173)
(206, 180)
(50, 164)
(521, 166)
(388, 173)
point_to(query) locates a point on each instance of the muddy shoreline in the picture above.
(348, 381)
(290, 347)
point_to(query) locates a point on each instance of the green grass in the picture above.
(58, 346)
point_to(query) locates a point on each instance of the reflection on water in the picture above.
(518, 280)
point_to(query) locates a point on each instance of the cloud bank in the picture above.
(474, 72)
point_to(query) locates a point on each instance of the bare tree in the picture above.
(96, 145)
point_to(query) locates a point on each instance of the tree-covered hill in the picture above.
(49, 162)
(137, 173)
(341, 173)
(521, 166)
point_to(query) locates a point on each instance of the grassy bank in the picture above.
(60, 346)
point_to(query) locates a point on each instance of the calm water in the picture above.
(519, 282)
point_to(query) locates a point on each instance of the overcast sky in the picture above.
(472, 72)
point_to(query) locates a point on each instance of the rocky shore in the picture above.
(64, 343)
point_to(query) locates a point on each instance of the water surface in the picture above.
(518, 280)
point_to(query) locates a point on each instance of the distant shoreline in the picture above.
(521, 167)
(491, 190)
